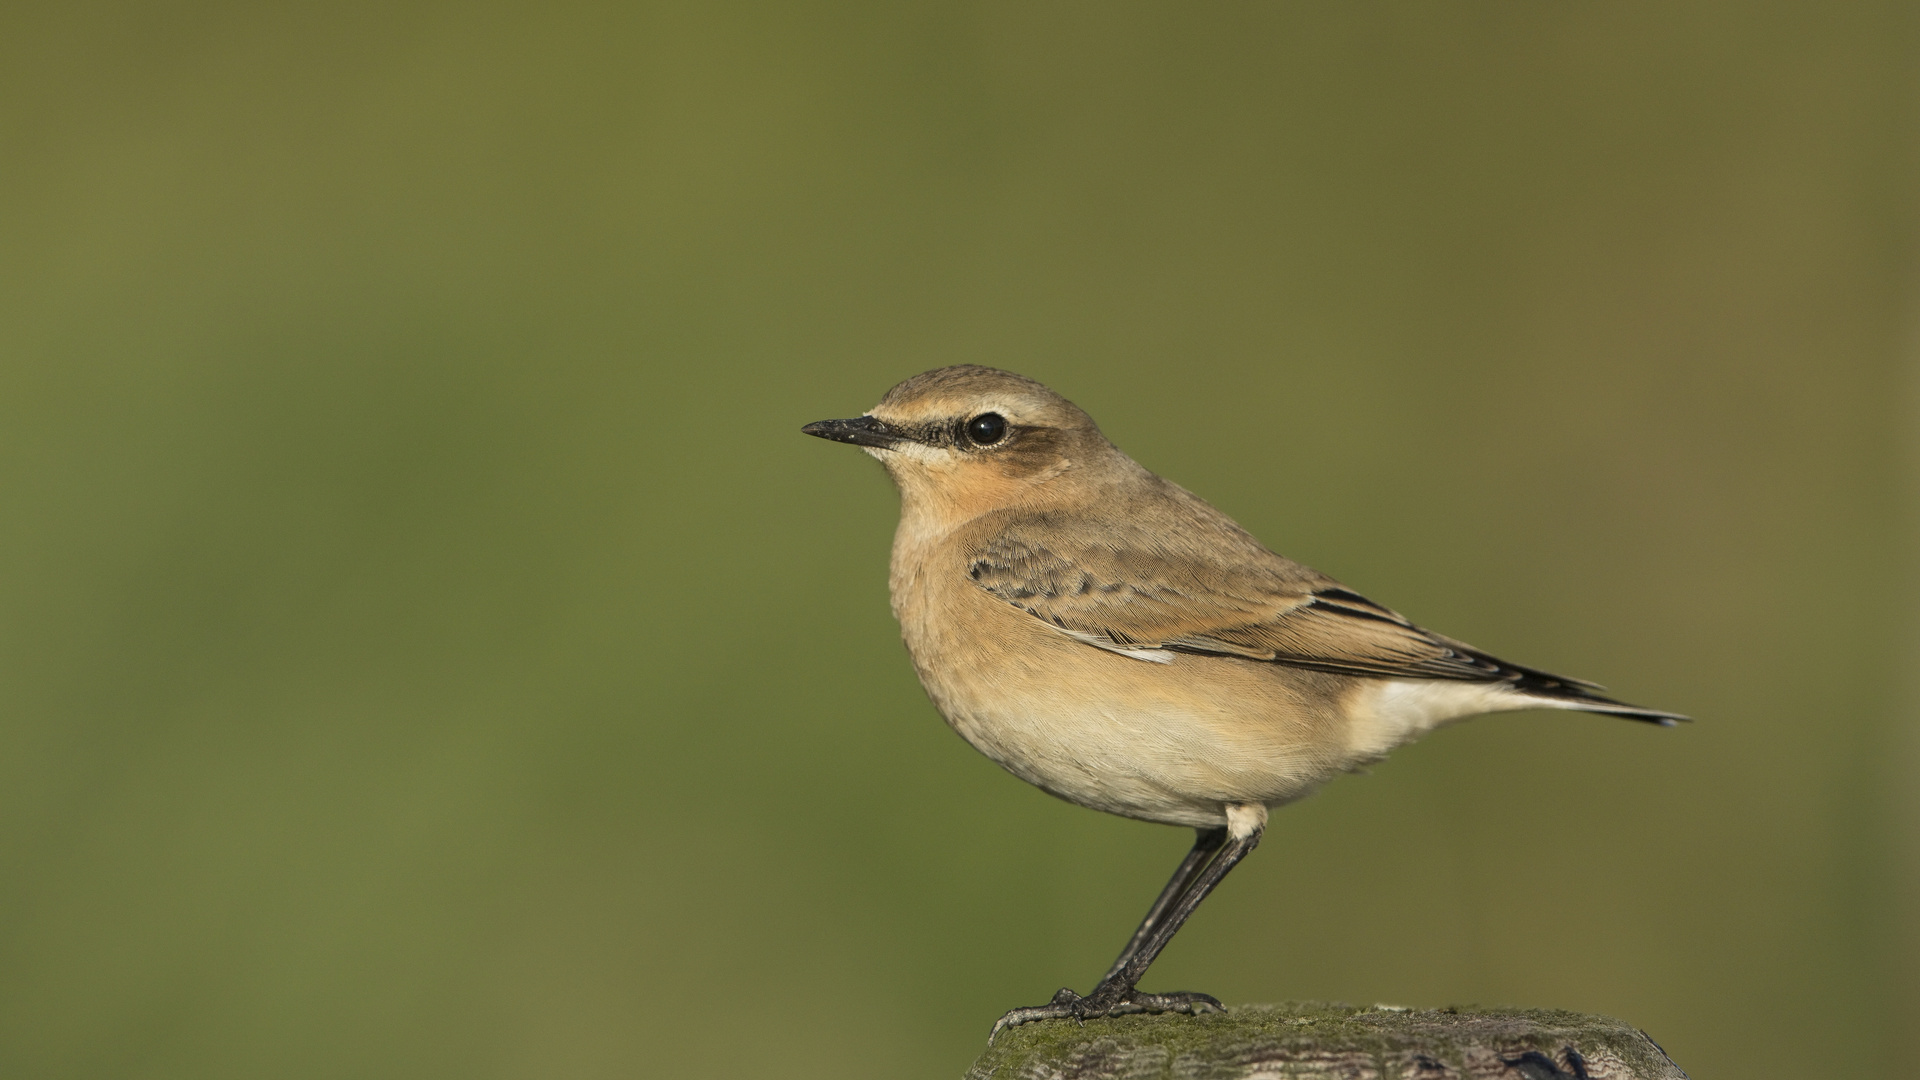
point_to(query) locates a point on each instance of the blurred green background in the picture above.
(430, 648)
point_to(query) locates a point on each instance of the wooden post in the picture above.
(1300, 1041)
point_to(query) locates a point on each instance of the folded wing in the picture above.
(1136, 589)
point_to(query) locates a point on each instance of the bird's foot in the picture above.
(1067, 1005)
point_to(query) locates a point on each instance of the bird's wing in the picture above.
(1131, 587)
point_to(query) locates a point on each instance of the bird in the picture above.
(1109, 637)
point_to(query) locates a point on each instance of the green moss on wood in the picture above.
(1329, 1040)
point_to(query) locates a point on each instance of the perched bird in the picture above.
(1107, 636)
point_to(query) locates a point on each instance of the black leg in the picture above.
(1205, 843)
(1117, 987)
(1214, 854)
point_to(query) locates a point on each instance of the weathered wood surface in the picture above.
(1303, 1041)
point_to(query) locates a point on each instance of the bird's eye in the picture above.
(987, 429)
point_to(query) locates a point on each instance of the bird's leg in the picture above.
(1215, 851)
(1205, 843)
(1116, 992)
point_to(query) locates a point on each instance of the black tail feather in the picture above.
(1576, 693)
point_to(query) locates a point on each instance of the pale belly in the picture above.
(1175, 743)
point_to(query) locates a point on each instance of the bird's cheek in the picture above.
(982, 489)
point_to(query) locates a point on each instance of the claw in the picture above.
(1067, 1005)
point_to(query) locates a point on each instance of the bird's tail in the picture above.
(1552, 691)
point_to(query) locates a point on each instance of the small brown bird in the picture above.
(1107, 636)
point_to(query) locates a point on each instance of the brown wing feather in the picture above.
(1198, 583)
(1212, 589)
(1156, 591)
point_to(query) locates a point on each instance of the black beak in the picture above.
(860, 431)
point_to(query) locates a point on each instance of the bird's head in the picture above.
(967, 439)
